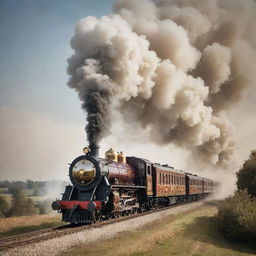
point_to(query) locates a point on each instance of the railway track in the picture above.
(49, 233)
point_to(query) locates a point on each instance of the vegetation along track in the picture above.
(49, 233)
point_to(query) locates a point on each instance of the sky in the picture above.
(41, 120)
(34, 47)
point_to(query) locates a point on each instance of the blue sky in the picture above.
(34, 47)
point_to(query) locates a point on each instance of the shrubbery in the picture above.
(236, 218)
(4, 206)
(21, 205)
(44, 206)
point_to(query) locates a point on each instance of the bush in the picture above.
(246, 176)
(4, 206)
(236, 218)
(45, 206)
(21, 205)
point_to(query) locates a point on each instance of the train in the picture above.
(118, 185)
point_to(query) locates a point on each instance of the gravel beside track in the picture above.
(56, 245)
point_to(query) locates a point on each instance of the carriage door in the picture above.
(149, 180)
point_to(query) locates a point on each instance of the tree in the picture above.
(21, 205)
(246, 176)
(4, 206)
(30, 184)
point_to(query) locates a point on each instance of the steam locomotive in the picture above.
(117, 185)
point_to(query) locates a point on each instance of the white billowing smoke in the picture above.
(173, 66)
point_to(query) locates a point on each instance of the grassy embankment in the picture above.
(17, 225)
(190, 233)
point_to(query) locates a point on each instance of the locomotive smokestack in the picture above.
(94, 150)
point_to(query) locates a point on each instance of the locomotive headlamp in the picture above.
(86, 150)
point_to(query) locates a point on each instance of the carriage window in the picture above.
(163, 178)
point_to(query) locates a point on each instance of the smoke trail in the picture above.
(174, 66)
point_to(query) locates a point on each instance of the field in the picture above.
(17, 225)
(193, 233)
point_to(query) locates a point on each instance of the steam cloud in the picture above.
(174, 66)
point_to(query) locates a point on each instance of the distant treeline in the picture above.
(38, 188)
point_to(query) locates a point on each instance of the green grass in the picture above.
(192, 233)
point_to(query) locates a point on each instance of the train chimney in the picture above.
(94, 150)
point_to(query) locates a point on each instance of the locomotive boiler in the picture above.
(116, 185)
